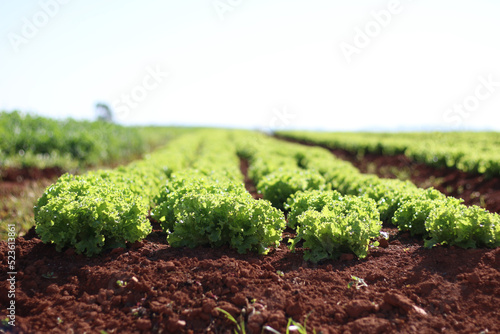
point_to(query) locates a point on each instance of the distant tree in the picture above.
(103, 112)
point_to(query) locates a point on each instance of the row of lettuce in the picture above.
(34, 141)
(195, 189)
(204, 201)
(282, 170)
(472, 152)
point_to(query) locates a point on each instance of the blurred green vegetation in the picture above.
(472, 152)
(34, 141)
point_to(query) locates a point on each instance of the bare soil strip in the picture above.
(151, 287)
(474, 189)
(249, 185)
(13, 180)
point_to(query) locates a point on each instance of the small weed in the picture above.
(49, 275)
(292, 326)
(121, 283)
(280, 273)
(297, 327)
(5, 322)
(138, 311)
(357, 282)
(240, 328)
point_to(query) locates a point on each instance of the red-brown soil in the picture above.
(474, 189)
(249, 185)
(150, 287)
(14, 180)
(410, 289)
(29, 173)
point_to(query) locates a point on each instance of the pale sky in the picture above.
(315, 64)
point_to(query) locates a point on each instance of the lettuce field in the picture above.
(218, 231)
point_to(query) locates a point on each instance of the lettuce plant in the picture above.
(466, 227)
(278, 186)
(344, 225)
(90, 214)
(302, 201)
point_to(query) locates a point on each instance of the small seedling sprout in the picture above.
(121, 283)
(240, 328)
(294, 326)
(357, 282)
(49, 275)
